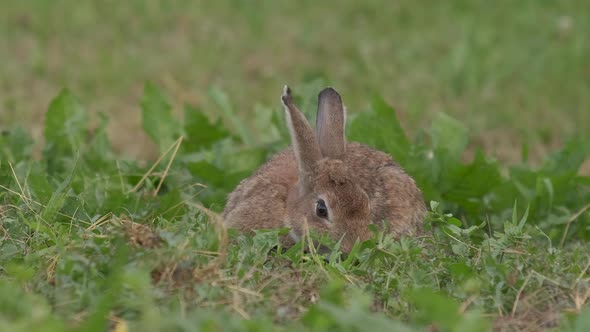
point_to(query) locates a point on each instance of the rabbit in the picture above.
(327, 184)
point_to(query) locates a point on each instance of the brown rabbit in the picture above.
(326, 184)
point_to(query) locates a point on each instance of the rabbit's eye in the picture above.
(320, 209)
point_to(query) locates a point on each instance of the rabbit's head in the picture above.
(327, 197)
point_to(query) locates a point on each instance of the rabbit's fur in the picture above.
(326, 184)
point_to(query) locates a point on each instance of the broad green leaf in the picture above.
(454, 221)
(157, 119)
(306, 97)
(214, 175)
(380, 128)
(65, 125)
(468, 185)
(221, 99)
(267, 131)
(57, 200)
(460, 270)
(434, 206)
(449, 136)
(242, 160)
(40, 187)
(569, 158)
(100, 145)
(15, 145)
(200, 132)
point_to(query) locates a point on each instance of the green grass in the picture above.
(110, 190)
(91, 240)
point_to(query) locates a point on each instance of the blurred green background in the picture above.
(515, 72)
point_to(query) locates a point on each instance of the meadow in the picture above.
(125, 125)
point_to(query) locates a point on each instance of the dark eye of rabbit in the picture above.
(320, 209)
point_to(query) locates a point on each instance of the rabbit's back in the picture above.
(260, 201)
(394, 196)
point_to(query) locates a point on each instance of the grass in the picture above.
(100, 232)
(91, 240)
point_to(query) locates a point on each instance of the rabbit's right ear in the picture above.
(330, 124)
(306, 149)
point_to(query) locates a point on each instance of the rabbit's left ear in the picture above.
(305, 146)
(330, 124)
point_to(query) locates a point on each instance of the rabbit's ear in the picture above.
(330, 123)
(305, 146)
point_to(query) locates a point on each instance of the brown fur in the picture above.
(359, 185)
